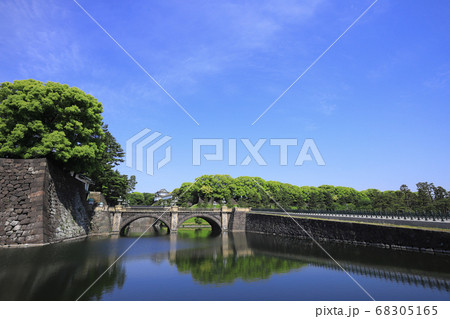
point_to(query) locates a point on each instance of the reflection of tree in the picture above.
(115, 276)
(210, 270)
(197, 233)
(267, 255)
(59, 272)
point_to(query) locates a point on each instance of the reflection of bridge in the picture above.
(220, 219)
(391, 273)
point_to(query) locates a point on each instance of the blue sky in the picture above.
(376, 104)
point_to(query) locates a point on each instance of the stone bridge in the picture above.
(221, 219)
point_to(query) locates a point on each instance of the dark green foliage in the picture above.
(113, 185)
(141, 199)
(107, 180)
(50, 120)
(64, 124)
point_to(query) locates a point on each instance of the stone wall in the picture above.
(142, 225)
(355, 233)
(66, 210)
(238, 219)
(101, 220)
(41, 203)
(22, 201)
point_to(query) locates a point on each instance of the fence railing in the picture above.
(419, 215)
(168, 208)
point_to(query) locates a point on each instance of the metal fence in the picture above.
(418, 215)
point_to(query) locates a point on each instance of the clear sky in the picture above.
(376, 104)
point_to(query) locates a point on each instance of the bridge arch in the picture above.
(129, 219)
(214, 221)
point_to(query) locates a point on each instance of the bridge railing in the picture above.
(146, 208)
(162, 208)
(418, 215)
(198, 210)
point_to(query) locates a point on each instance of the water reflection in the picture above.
(412, 268)
(255, 256)
(196, 233)
(201, 259)
(59, 272)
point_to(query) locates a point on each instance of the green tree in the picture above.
(141, 199)
(248, 191)
(424, 195)
(108, 180)
(136, 198)
(115, 186)
(186, 194)
(50, 120)
(406, 196)
(149, 198)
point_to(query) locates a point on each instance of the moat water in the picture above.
(194, 265)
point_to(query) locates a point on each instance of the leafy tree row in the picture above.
(141, 199)
(255, 192)
(63, 124)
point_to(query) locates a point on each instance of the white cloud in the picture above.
(36, 39)
(43, 39)
(440, 80)
(257, 24)
(243, 29)
(327, 108)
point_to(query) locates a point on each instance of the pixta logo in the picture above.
(141, 141)
(141, 151)
(308, 148)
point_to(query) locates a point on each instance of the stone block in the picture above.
(36, 192)
(37, 231)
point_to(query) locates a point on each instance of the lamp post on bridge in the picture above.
(175, 201)
(119, 202)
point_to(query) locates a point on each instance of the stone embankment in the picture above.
(41, 203)
(21, 201)
(396, 237)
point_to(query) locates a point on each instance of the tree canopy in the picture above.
(255, 192)
(50, 120)
(142, 199)
(63, 124)
(107, 179)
